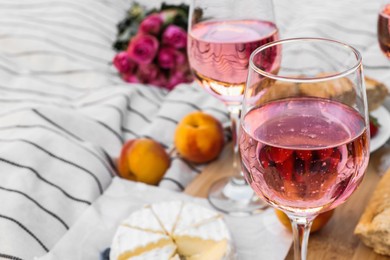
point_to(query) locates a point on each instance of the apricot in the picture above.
(319, 222)
(199, 137)
(143, 160)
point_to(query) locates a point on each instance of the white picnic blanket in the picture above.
(64, 112)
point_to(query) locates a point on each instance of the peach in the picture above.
(199, 137)
(143, 160)
(319, 222)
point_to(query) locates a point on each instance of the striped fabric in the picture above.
(64, 113)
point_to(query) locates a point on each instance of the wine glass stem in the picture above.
(234, 113)
(301, 231)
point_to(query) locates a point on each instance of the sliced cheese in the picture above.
(145, 220)
(175, 257)
(167, 214)
(194, 215)
(166, 252)
(216, 251)
(201, 238)
(129, 242)
(172, 231)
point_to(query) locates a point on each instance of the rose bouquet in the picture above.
(152, 46)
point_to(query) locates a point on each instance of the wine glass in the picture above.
(304, 139)
(383, 27)
(222, 35)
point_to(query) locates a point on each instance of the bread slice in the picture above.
(341, 89)
(376, 93)
(374, 225)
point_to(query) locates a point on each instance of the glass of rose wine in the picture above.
(384, 27)
(222, 35)
(304, 139)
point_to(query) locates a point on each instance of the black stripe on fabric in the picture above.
(63, 136)
(9, 257)
(120, 112)
(56, 125)
(56, 44)
(174, 181)
(117, 135)
(129, 108)
(38, 205)
(110, 161)
(192, 167)
(121, 95)
(147, 98)
(126, 130)
(168, 119)
(26, 230)
(158, 93)
(45, 181)
(58, 158)
(187, 103)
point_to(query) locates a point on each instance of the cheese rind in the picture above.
(144, 219)
(196, 240)
(172, 231)
(167, 214)
(129, 242)
(194, 215)
(166, 252)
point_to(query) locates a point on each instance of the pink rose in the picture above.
(130, 78)
(181, 58)
(176, 78)
(151, 24)
(167, 58)
(148, 72)
(123, 63)
(160, 81)
(143, 48)
(175, 36)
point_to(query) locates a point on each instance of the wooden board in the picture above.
(336, 240)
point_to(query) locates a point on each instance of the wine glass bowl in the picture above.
(222, 34)
(219, 53)
(304, 139)
(383, 28)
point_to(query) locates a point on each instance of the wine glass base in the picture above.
(234, 197)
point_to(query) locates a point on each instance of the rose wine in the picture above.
(219, 54)
(304, 154)
(384, 30)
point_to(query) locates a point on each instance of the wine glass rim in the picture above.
(311, 79)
